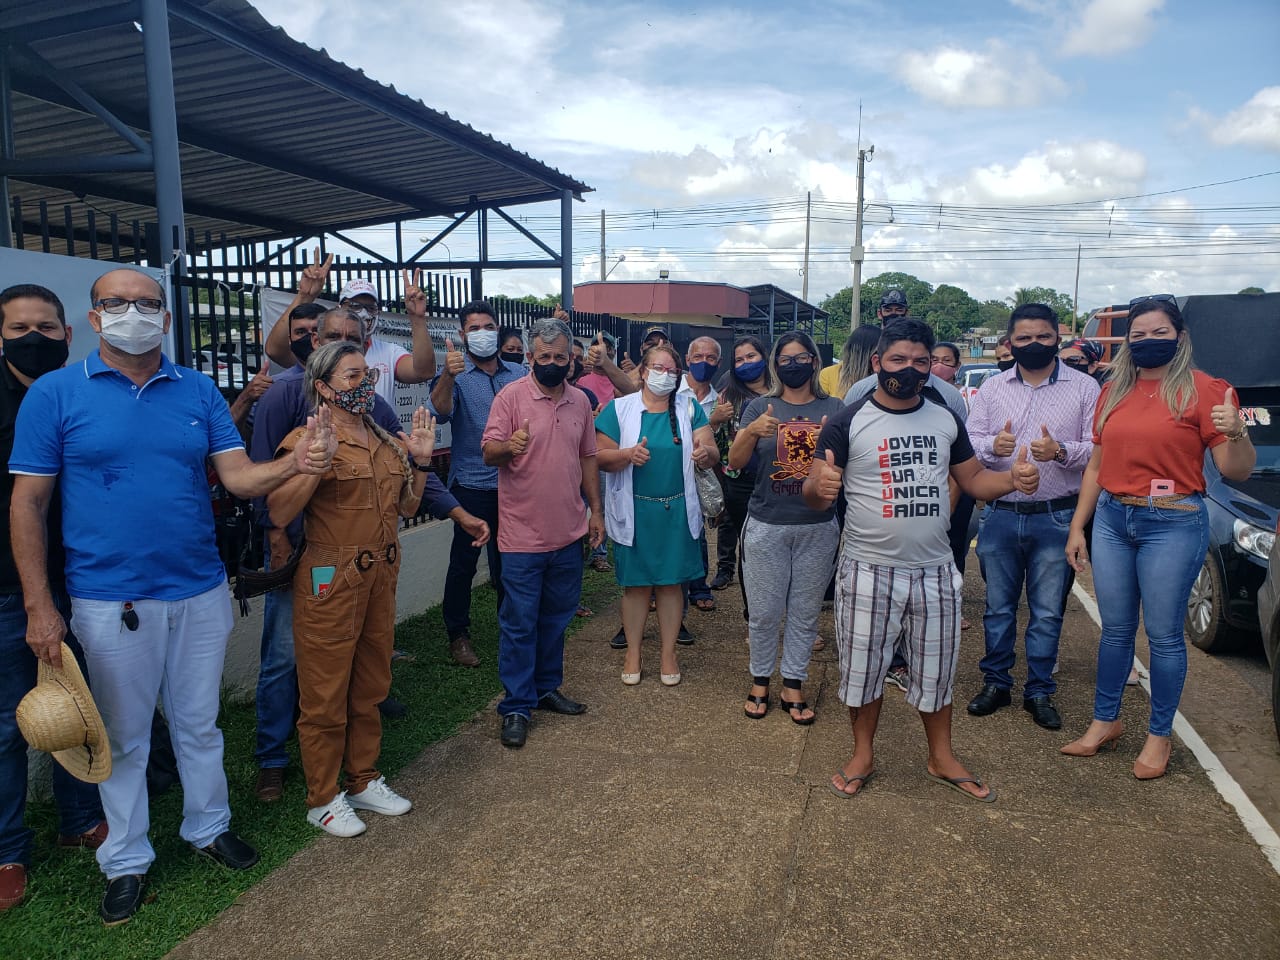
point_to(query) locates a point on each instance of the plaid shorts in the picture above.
(878, 608)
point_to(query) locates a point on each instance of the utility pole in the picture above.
(602, 268)
(1075, 300)
(858, 253)
(804, 289)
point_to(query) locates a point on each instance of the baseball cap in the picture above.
(662, 331)
(358, 288)
(893, 298)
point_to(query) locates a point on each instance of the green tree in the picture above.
(995, 315)
(950, 311)
(1060, 302)
(1253, 291)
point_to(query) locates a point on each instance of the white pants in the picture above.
(176, 653)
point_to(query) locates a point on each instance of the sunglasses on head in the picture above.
(1155, 297)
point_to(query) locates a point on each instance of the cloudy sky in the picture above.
(1006, 132)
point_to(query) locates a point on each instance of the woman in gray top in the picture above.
(787, 548)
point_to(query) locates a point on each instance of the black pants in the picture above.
(463, 559)
(959, 530)
(737, 492)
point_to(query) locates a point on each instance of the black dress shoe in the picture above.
(684, 637)
(557, 702)
(123, 898)
(515, 730)
(991, 699)
(1043, 712)
(619, 641)
(230, 851)
(721, 580)
(392, 709)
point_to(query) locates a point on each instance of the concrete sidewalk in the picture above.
(665, 824)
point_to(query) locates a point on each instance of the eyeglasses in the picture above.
(656, 368)
(796, 360)
(148, 305)
(1156, 297)
(354, 378)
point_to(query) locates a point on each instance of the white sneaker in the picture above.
(337, 818)
(380, 798)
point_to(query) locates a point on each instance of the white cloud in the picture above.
(1058, 173)
(997, 78)
(1253, 124)
(1106, 27)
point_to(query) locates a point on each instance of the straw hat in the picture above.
(59, 717)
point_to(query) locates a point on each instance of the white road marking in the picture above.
(1261, 831)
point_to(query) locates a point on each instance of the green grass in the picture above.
(59, 918)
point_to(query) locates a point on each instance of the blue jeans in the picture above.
(1018, 548)
(277, 697)
(1149, 557)
(542, 593)
(79, 809)
(697, 588)
(463, 557)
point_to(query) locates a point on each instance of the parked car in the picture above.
(1222, 612)
(250, 355)
(1269, 621)
(227, 371)
(969, 377)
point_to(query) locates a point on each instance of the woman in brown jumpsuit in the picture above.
(344, 591)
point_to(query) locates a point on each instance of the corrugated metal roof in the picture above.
(265, 123)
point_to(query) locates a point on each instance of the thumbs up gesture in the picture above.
(454, 362)
(640, 453)
(1026, 475)
(627, 366)
(1005, 442)
(721, 413)
(765, 425)
(827, 477)
(1044, 447)
(596, 352)
(1226, 415)
(519, 441)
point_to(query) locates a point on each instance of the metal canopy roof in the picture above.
(260, 118)
(767, 298)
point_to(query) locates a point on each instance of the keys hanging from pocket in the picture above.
(129, 616)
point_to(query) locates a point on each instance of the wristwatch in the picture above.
(1061, 455)
(425, 468)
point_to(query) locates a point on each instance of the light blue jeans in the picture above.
(176, 653)
(1145, 557)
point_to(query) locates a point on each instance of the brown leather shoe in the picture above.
(13, 885)
(90, 839)
(460, 650)
(270, 787)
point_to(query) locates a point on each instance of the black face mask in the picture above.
(796, 375)
(33, 354)
(1081, 365)
(577, 370)
(550, 374)
(512, 357)
(1034, 356)
(902, 384)
(1006, 364)
(301, 348)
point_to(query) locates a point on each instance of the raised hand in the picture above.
(765, 425)
(828, 477)
(1044, 447)
(314, 276)
(703, 456)
(1005, 442)
(259, 385)
(640, 453)
(722, 412)
(1077, 551)
(415, 298)
(1226, 415)
(422, 440)
(519, 441)
(627, 366)
(560, 313)
(596, 352)
(1026, 475)
(454, 361)
(315, 450)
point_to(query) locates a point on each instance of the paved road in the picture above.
(665, 824)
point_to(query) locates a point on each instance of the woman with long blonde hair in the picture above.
(1144, 489)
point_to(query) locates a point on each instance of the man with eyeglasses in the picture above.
(1047, 407)
(127, 434)
(280, 412)
(394, 363)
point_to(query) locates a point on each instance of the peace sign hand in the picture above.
(314, 276)
(422, 441)
(415, 298)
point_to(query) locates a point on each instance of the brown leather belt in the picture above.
(1176, 501)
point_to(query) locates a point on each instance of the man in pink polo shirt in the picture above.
(540, 434)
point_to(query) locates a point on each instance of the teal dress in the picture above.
(663, 552)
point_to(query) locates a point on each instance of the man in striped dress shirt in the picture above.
(1046, 406)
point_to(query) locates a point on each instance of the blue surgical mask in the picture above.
(749, 372)
(1149, 354)
(703, 371)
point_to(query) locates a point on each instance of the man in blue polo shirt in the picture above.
(127, 434)
(461, 397)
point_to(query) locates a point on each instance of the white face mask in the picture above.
(482, 343)
(660, 384)
(133, 332)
